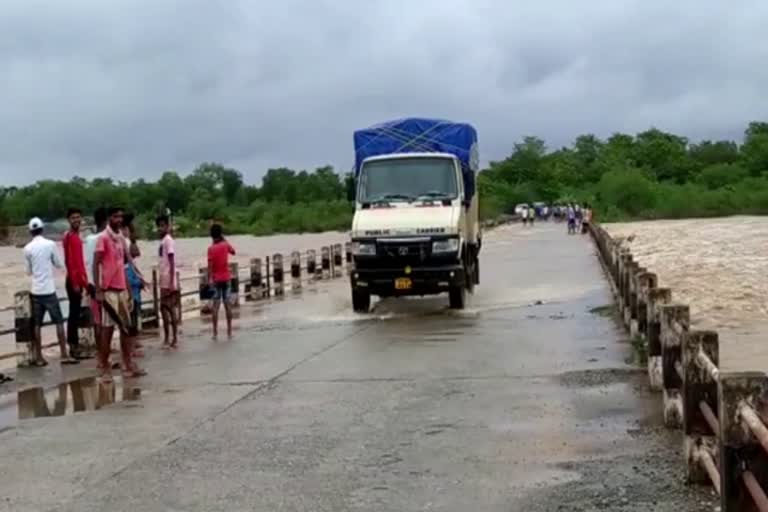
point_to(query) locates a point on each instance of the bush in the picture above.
(627, 190)
(719, 175)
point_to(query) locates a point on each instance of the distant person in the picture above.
(571, 216)
(77, 280)
(112, 292)
(220, 277)
(579, 216)
(587, 220)
(524, 215)
(41, 258)
(169, 288)
(100, 223)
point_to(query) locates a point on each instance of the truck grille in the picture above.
(404, 253)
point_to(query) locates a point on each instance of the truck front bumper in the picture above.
(427, 280)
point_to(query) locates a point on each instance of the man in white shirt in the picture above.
(41, 256)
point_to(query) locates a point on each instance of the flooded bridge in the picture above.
(528, 400)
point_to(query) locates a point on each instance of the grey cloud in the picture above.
(132, 88)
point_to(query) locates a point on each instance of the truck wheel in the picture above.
(457, 296)
(361, 301)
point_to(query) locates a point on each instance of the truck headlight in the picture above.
(447, 245)
(364, 249)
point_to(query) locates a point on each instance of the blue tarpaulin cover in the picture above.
(421, 135)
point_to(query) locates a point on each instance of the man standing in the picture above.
(579, 216)
(41, 257)
(219, 277)
(169, 288)
(77, 280)
(110, 257)
(571, 215)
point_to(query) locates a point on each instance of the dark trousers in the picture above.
(73, 319)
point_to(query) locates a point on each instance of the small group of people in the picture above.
(528, 215)
(103, 270)
(579, 217)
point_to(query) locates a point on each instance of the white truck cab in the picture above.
(415, 230)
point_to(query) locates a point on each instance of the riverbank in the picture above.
(718, 267)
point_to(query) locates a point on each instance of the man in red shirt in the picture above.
(219, 277)
(77, 279)
(111, 284)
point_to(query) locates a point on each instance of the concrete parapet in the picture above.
(723, 415)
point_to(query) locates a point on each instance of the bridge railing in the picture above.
(261, 279)
(722, 415)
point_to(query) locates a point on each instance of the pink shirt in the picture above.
(167, 248)
(112, 251)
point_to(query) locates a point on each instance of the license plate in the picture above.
(403, 283)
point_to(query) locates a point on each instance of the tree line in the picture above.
(286, 201)
(653, 174)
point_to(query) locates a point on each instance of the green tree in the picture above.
(708, 153)
(755, 149)
(720, 175)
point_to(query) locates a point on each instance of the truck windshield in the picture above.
(407, 179)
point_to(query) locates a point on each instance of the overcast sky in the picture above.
(129, 89)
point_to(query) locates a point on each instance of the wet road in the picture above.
(522, 402)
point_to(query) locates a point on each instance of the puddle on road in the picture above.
(81, 395)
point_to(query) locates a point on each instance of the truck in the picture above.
(415, 229)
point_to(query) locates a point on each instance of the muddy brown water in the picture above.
(191, 253)
(718, 267)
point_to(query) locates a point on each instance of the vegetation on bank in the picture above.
(287, 201)
(651, 175)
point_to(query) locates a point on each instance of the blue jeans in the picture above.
(221, 292)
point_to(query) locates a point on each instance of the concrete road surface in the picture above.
(523, 402)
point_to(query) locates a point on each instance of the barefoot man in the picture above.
(220, 277)
(112, 293)
(169, 288)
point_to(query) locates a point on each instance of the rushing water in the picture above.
(717, 267)
(191, 253)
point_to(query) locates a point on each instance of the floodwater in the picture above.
(718, 267)
(191, 254)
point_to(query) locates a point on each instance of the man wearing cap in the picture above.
(41, 257)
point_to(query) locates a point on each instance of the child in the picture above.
(219, 277)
